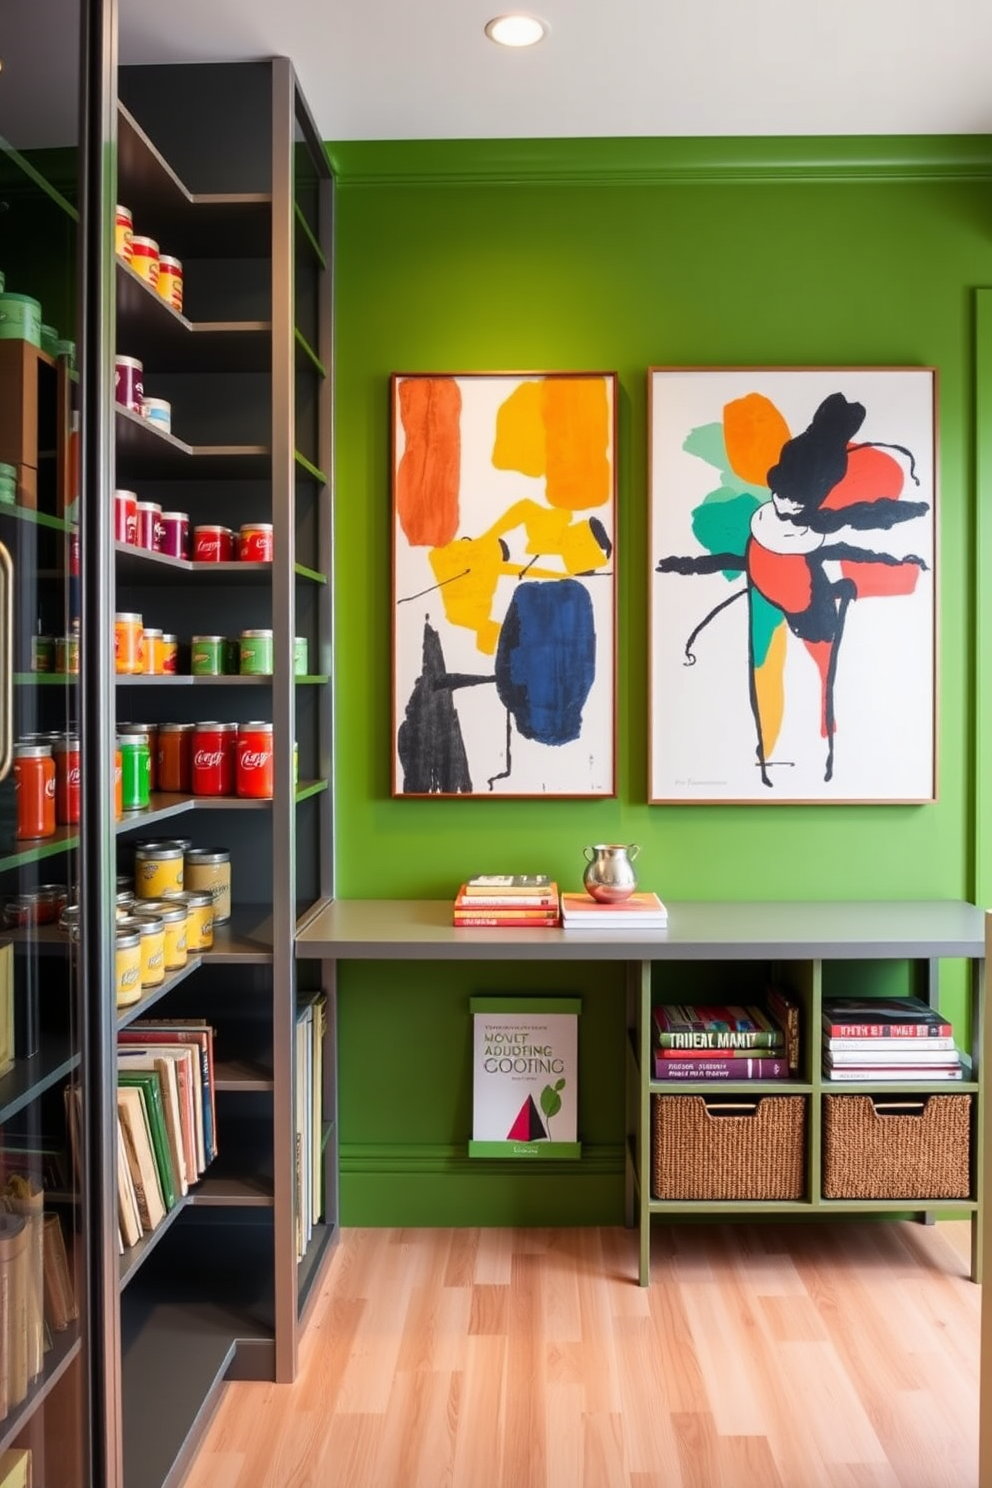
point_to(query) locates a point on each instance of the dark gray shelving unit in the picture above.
(802, 946)
(214, 179)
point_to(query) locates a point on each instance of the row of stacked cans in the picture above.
(143, 524)
(200, 759)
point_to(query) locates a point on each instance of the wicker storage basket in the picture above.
(871, 1154)
(755, 1153)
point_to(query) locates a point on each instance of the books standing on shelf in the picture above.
(15, 1468)
(23, 1197)
(883, 1018)
(61, 1307)
(311, 1024)
(167, 1117)
(524, 906)
(689, 1027)
(739, 1067)
(579, 911)
(784, 1008)
(14, 1264)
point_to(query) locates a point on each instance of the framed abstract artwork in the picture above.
(792, 585)
(504, 584)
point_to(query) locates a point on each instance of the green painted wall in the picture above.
(464, 256)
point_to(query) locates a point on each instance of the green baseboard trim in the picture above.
(526, 1151)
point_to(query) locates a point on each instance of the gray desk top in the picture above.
(421, 929)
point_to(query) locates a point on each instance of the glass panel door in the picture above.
(42, 1372)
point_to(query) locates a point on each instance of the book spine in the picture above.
(892, 1072)
(720, 1069)
(892, 1046)
(718, 1039)
(492, 922)
(507, 901)
(887, 1030)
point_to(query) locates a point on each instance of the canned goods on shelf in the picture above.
(144, 259)
(118, 783)
(152, 642)
(20, 318)
(123, 233)
(151, 932)
(256, 653)
(199, 919)
(208, 870)
(214, 750)
(34, 791)
(175, 534)
(42, 653)
(255, 542)
(212, 544)
(67, 655)
(149, 515)
(172, 913)
(170, 654)
(128, 967)
(157, 411)
(42, 906)
(128, 648)
(67, 778)
(150, 732)
(207, 656)
(158, 869)
(301, 656)
(129, 382)
(175, 754)
(254, 761)
(136, 760)
(126, 516)
(170, 281)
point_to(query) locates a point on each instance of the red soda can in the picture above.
(34, 791)
(174, 538)
(125, 516)
(213, 544)
(149, 524)
(254, 768)
(255, 542)
(212, 769)
(66, 753)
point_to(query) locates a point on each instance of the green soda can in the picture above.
(42, 653)
(207, 656)
(301, 656)
(136, 771)
(256, 653)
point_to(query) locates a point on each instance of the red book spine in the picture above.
(518, 922)
(720, 1069)
(889, 1030)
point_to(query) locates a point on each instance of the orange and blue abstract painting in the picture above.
(504, 596)
(792, 585)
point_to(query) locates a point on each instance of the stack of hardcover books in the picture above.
(891, 1038)
(582, 912)
(520, 901)
(710, 1042)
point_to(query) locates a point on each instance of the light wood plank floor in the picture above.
(762, 1356)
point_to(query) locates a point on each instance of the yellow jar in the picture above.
(199, 920)
(128, 967)
(208, 871)
(152, 931)
(158, 870)
(172, 913)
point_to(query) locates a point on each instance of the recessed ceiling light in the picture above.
(516, 30)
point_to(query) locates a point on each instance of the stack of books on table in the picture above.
(710, 1042)
(892, 1038)
(642, 908)
(520, 901)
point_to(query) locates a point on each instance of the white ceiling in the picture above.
(396, 69)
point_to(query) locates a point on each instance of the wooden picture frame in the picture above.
(792, 585)
(504, 584)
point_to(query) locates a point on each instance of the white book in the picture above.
(901, 1072)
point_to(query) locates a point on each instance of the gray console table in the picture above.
(794, 941)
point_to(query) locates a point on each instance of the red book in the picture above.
(506, 922)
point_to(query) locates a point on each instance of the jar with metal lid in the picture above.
(206, 657)
(152, 648)
(214, 752)
(170, 281)
(149, 732)
(199, 919)
(256, 653)
(69, 919)
(151, 929)
(128, 643)
(158, 869)
(123, 232)
(67, 797)
(124, 900)
(208, 870)
(34, 791)
(255, 542)
(145, 259)
(41, 906)
(175, 756)
(136, 759)
(172, 913)
(128, 967)
(254, 764)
